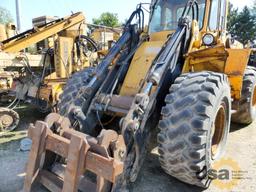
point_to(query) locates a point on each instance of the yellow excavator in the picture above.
(182, 76)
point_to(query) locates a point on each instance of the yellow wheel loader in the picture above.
(182, 76)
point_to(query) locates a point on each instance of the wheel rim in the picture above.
(6, 121)
(254, 97)
(218, 131)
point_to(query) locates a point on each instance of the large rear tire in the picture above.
(246, 112)
(194, 126)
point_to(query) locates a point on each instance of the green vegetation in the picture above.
(254, 8)
(107, 19)
(5, 16)
(241, 24)
(11, 139)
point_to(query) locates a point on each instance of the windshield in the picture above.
(166, 14)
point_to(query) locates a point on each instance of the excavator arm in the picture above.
(35, 35)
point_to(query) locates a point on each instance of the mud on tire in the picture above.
(246, 113)
(187, 140)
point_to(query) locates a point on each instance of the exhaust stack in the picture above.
(18, 18)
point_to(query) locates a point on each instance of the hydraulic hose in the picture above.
(89, 40)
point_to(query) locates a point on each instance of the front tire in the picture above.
(195, 125)
(69, 98)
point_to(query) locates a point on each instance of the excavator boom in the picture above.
(35, 35)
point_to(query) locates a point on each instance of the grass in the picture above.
(11, 140)
(6, 137)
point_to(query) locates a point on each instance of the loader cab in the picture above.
(165, 15)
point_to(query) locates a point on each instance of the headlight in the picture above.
(208, 39)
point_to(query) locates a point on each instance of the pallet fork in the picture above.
(102, 156)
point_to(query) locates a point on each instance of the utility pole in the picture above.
(18, 15)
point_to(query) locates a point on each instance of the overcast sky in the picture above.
(92, 8)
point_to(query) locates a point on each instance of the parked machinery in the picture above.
(181, 76)
(105, 37)
(7, 31)
(63, 49)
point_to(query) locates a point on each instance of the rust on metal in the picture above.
(81, 153)
(123, 102)
(218, 130)
(254, 97)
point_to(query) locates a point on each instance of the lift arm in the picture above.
(35, 35)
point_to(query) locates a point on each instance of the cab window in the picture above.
(166, 14)
(213, 21)
(222, 23)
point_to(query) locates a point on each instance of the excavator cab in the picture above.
(180, 79)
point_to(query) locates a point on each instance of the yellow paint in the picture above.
(209, 59)
(7, 31)
(196, 37)
(63, 56)
(142, 62)
(51, 93)
(160, 36)
(3, 35)
(57, 91)
(53, 88)
(218, 58)
(43, 33)
(231, 61)
(235, 66)
(139, 67)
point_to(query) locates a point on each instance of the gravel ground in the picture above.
(241, 148)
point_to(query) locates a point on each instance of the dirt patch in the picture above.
(12, 160)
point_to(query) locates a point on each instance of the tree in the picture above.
(232, 18)
(107, 19)
(241, 25)
(5, 16)
(253, 10)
